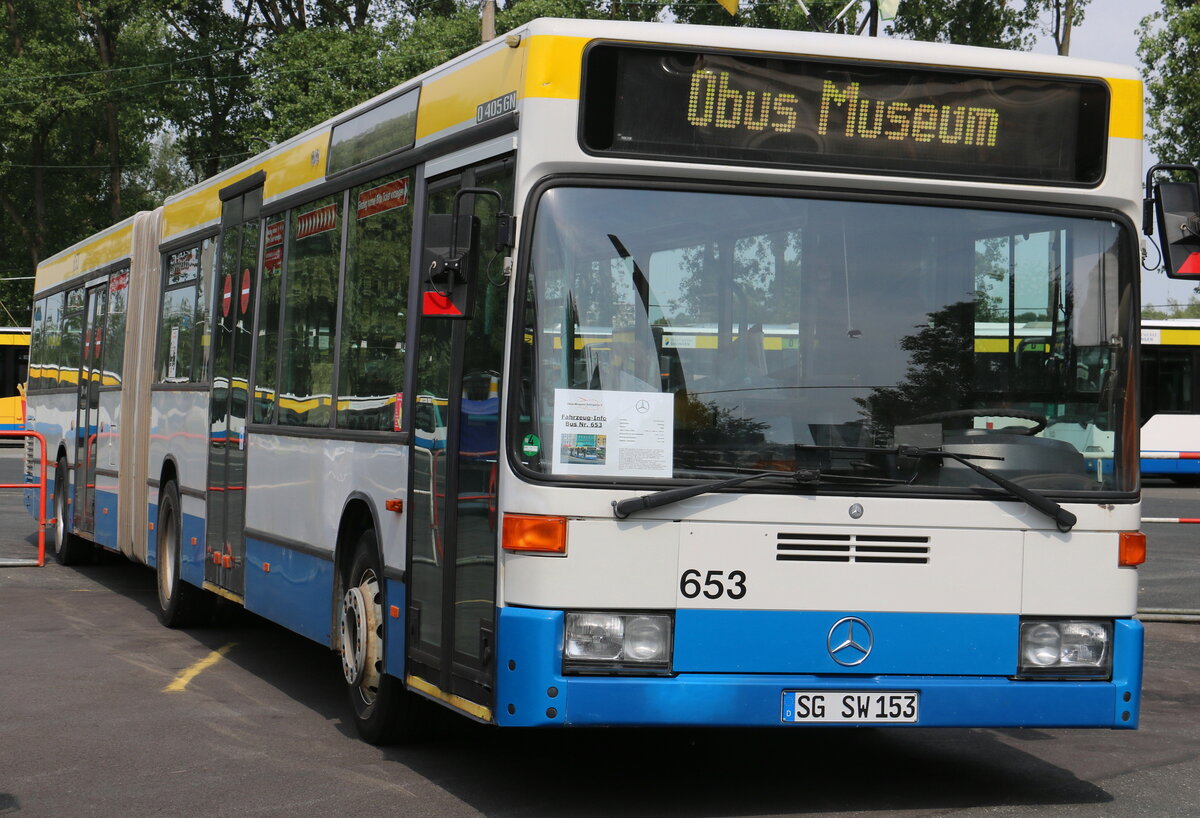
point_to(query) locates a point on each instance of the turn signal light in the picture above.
(535, 533)
(1133, 548)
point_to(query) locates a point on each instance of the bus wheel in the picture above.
(384, 712)
(67, 548)
(180, 605)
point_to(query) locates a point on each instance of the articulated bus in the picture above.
(14, 371)
(642, 374)
(1170, 406)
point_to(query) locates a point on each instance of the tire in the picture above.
(180, 605)
(384, 712)
(65, 546)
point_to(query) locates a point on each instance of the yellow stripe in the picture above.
(1125, 118)
(221, 592)
(554, 66)
(286, 171)
(182, 680)
(1180, 337)
(458, 702)
(14, 339)
(97, 253)
(452, 99)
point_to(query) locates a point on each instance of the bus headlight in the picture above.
(1078, 648)
(630, 643)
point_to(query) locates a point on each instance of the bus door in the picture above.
(455, 454)
(233, 311)
(87, 425)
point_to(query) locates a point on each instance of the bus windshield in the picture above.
(692, 334)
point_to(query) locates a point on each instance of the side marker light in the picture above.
(535, 533)
(1132, 548)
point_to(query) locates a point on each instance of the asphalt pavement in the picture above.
(94, 720)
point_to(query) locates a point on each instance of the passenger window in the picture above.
(37, 344)
(178, 329)
(310, 313)
(374, 306)
(114, 330)
(267, 346)
(72, 340)
(53, 340)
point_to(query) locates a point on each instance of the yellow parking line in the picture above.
(182, 680)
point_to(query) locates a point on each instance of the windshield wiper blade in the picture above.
(1064, 519)
(801, 477)
(623, 508)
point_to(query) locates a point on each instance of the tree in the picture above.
(1064, 16)
(993, 23)
(210, 107)
(79, 88)
(1169, 49)
(1174, 309)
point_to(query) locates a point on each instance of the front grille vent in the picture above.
(877, 548)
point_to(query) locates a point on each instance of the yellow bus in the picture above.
(14, 367)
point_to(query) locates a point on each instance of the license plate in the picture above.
(851, 707)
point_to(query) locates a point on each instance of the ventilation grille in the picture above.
(877, 548)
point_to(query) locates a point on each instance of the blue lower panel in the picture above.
(393, 651)
(191, 557)
(1170, 467)
(718, 641)
(106, 523)
(531, 689)
(296, 591)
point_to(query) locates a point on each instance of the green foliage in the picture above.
(994, 23)
(1174, 309)
(1169, 49)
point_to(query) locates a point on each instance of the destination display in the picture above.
(720, 107)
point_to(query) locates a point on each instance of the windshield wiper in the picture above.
(801, 477)
(1064, 519)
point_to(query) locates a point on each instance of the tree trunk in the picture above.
(1064, 42)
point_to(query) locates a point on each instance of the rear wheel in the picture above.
(66, 547)
(384, 712)
(180, 605)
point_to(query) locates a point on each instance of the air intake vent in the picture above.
(895, 550)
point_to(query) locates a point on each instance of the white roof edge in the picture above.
(816, 44)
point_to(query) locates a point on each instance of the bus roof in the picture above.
(543, 58)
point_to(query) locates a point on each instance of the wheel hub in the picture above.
(361, 646)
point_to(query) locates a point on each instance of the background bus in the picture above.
(621, 373)
(14, 371)
(1170, 402)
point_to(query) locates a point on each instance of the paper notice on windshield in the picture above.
(609, 433)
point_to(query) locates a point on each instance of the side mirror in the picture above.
(1176, 207)
(449, 274)
(451, 250)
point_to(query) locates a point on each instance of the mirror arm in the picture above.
(1149, 201)
(505, 223)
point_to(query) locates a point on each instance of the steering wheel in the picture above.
(1040, 420)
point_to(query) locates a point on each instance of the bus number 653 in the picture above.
(716, 584)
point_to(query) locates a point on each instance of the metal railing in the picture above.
(41, 487)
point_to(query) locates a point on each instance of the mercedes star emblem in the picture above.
(850, 641)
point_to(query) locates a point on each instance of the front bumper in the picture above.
(531, 689)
